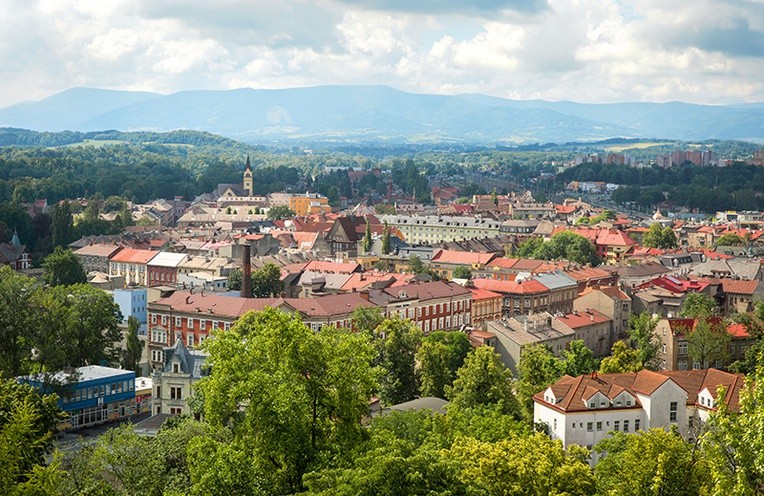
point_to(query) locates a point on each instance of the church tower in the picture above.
(247, 184)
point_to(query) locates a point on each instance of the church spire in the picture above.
(248, 166)
(247, 183)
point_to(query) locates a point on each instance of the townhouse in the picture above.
(163, 268)
(443, 262)
(95, 257)
(132, 265)
(432, 306)
(610, 301)
(436, 229)
(523, 297)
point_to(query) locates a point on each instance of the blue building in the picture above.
(131, 302)
(92, 395)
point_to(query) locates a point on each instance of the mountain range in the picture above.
(380, 113)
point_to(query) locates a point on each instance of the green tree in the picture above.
(484, 380)
(462, 272)
(659, 237)
(131, 355)
(643, 336)
(280, 212)
(291, 396)
(537, 369)
(234, 280)
(570, 246)
(26, 425)
(63, 267)
(367, 241)
(434, 373)
(621, 359)
(17, 321)
(62, 226)
(503, 467)
(77, 325)
(366, 319)
(733, 442)
(698, 305)
(528, 247)
(708, 342)
(386, 240)
(648, 463)
(266, 281)
(439, 359)
(730, 239)
(415, 265)
(579, 360)
(397, 346)
(754, 354)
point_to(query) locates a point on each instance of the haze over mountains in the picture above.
(380, 113)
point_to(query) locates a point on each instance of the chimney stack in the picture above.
(246, 272)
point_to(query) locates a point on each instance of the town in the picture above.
(608, 321)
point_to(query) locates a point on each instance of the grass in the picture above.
(627, 146)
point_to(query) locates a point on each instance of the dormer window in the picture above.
(592, 405)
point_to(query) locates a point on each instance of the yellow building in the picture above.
(309, 203)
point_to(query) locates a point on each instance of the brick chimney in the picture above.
(246, 272)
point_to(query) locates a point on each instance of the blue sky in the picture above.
(703, 51)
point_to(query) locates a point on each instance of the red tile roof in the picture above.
(576, 320)
(483, 294)
(739, 287)
(130, 255)
(462, 257)
(738, 331)
(502, 263)
(530, 286)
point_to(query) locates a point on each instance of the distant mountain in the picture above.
(377, 113)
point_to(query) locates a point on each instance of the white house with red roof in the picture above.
(586, 409)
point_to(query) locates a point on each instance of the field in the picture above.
(627, 146)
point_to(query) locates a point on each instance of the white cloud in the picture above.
(582, 50)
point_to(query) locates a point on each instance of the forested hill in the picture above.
(374, 114)
(10, 136)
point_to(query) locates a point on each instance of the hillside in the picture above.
(363, 114)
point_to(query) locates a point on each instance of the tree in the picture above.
(441, 355)
(484, 380)
(698, 305)
(537, 369)
(415, 265)
(367, 241)
(234, 280)
(280, 212)
(62, 226)
(708, 342)
(658, 237)
(579, 360)
(565, 245)
(730, 239)
(266, 281)
(26, 423)
(366, 319)
(621, 359)
(397, 346)
(77, 325)
(17, 321)
(528, 247)
(433, 369)
(386, 240)
(733, 443)
(462, 272)
(290, 396)
(503, 467)
(648, 463)
(642, 334)
(63, 267)
(131, 355)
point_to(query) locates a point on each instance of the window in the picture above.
(153, 318)
(589, 426)
(625, 426)
(175, 368)
(599, 426)
(555, 425)
(227, 326)
(672, 411)
(203, 325)
(176, 393)
(178, 322)
(164, 319)
(189, 323)
(664, 347)
(616, 425)
(628, 402)
(636, 425)
(190, 340)
(682, 348)
(159, 392)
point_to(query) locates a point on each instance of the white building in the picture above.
(584, 410)
(172, 384)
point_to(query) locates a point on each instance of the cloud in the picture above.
(582, 50)
(483, 8)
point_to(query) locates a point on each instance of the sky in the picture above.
(701, 51)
